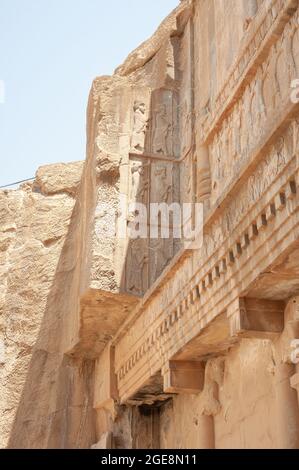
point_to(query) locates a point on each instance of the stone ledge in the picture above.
(101, 315)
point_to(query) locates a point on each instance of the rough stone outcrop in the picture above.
(60, 178)
(37, 223)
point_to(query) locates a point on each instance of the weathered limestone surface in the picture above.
(115, 342)
(37, 222)
(246, 394)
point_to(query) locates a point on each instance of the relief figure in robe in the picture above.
(139, 183)
(162, 129)
(139, 128)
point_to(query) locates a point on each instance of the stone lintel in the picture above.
(184, 377)
(257, 318)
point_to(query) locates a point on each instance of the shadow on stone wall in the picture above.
(56, 405)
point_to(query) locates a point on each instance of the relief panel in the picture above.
(164, 123)
(242, 129)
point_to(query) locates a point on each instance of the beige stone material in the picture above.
(59, 178)
(112, 342)
(184, 377)
(105, 394)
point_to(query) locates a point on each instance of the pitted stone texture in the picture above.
(59, 178)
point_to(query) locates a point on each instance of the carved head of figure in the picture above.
(161, 172)
(139, 106)
(137, 168)
(161, 110)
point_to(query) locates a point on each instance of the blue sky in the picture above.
(50, 51)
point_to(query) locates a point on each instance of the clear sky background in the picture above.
(50, 51)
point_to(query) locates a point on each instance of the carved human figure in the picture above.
(218, 155)
(160, 256)
(186, 128)
(283, 68)
(217, 168)
(295, 49)
(223, 153)
(139, 183)
(295, 127)
(186, 170)
(138, 261)
(237, 129)
(203, 172)
(245, 121)
(258, 108)
(229, 137)
(140, 127)
(269, 88)
(163, 189)
(279, 150)
(162, 129)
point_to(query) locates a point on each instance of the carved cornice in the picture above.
(206, 295)
(229, 204)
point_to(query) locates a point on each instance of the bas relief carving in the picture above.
(267, 171)
(140, 127)
(164, 123)
(218, 164)
(161, 253)
(243, 127)
(161, 130)
(139, 187)
(136, 278)
(186, 177)
(295, 48)
(154, 132)
(137, 266)
(186, 127)
(162, 183)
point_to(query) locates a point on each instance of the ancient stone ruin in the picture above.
(143, 342)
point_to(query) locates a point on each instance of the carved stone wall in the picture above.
(246, 393)
(143, 336)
